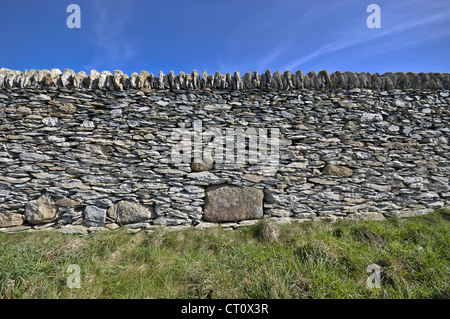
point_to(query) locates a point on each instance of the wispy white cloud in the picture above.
(286, 42)
(429, 37)
(348, 41)
(265, 61)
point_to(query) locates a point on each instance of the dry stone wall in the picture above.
(81, 152)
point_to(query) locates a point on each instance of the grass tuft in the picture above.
(267, 230)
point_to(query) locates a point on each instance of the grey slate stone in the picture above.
(94, 216)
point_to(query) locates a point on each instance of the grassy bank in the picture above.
(309, 260)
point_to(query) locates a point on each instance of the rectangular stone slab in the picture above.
(229, 203)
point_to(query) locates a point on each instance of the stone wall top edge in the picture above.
(195, 81)
(338, 91)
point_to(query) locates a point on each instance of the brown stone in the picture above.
(125, 212)
(336, 170)
(230, 203)
(203, 165)
(41, 210)
(67, 202)
(10, 219)
(253, 178)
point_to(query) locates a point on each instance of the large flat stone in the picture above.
(206, 177)
(73, 229)
(34, 157)
(366, 216)
(230, 203)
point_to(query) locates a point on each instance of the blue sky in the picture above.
(226, 36)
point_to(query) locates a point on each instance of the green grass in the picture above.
(308, 260)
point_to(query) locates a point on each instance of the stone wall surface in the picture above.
(80, 152)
